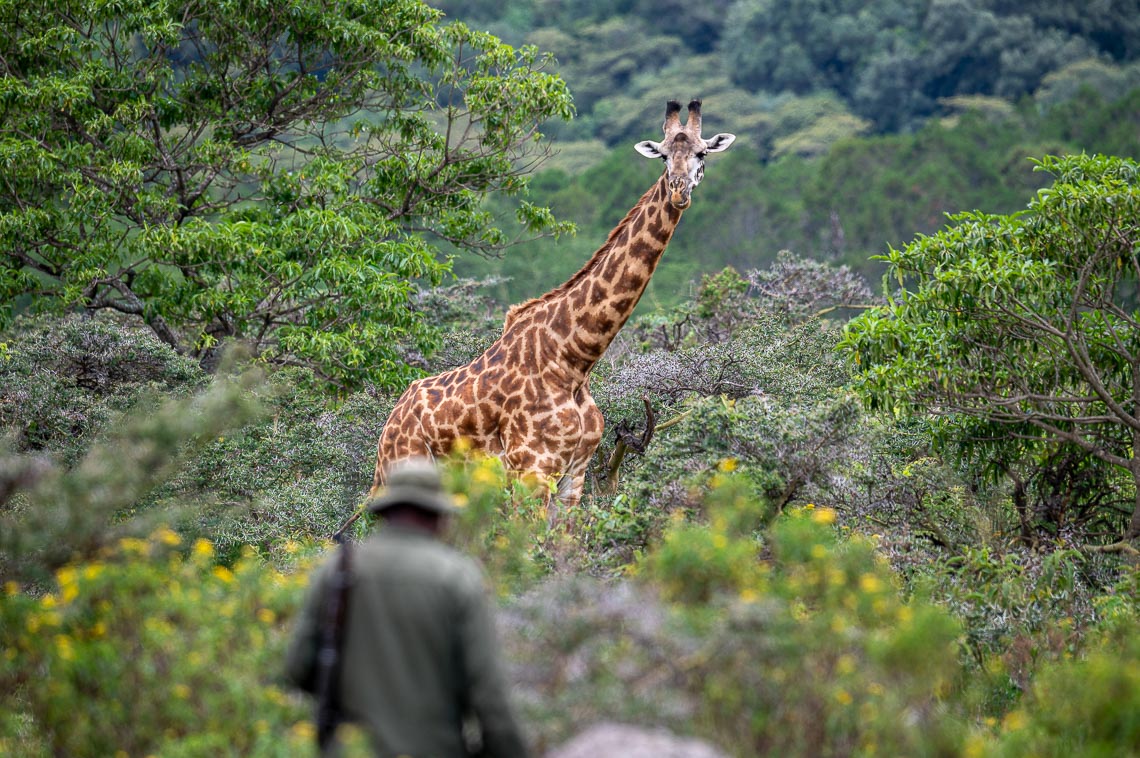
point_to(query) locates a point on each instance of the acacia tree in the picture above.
(279, 173)
(1021, 333)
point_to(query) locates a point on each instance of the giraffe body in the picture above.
(527, 399)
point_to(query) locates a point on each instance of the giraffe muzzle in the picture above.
(679, 198)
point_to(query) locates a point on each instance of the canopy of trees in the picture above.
(1022, 331)
(269, 173)
(892, 63)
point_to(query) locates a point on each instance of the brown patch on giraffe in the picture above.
(522, 460)
(625, 304)
(598, 293)
(634, 282)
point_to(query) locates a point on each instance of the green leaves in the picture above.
(1028, 319)
(279, 175)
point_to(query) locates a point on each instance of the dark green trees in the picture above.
(1022, 334)
(272, 173)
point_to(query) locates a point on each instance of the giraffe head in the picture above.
(683, 151)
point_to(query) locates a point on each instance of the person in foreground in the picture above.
(419, 657)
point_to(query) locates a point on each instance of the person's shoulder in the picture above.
(422, 554)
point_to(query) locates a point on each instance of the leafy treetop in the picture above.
(1021, 332)
(280, 173)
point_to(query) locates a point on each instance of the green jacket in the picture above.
(420, 653)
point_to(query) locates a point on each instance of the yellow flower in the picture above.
(203, 548)
(266, 616)
(181, 691)
(63, 647)
(749, 595)
(845, 664)
(870, 583)
(66, 575)
(1014, 720)
(843, 697)
(727, 465)
(167, 536)
(134, 546)
(92, 570)
(224, 574)
(11, 588)
(975, 746)
(720, 542)
(818, 551)
(49, 601)
(98, 630)
(291, 546)
(825, 516)
(304, 730)
(484, 475)
(460, 500)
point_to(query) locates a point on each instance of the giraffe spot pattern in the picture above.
(527, 397)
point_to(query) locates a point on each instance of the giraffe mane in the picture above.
(516, 312)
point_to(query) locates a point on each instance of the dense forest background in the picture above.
(869, 483)
(859, 124)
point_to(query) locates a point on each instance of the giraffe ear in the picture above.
(649, 149)
(719, 142)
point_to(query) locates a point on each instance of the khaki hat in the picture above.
(416, 482)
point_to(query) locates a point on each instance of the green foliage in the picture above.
(297, 471)
(987, 306)
(693, 563)
(1020, 611)
(1102, 720)
(825, 659)
(893, 61)
(151, 648)
(810, 651)
(501, 522)
(241, 173)
(61, 380)
(64, 514)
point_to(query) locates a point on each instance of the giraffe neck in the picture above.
(583, 315)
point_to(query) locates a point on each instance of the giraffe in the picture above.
(526, 399)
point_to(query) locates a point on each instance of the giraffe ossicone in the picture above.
(526, 399)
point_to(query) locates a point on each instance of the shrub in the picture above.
(779, 639)
(153, 648)
(298, 471)
(65, 514)
(1087, 704)
(823, 657)
(62, 380)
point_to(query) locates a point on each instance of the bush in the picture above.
(61, 380)
(1086, 705)
(767, 640)
(153, 648)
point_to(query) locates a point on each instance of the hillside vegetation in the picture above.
(829, 517)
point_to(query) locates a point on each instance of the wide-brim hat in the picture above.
(414, 482)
